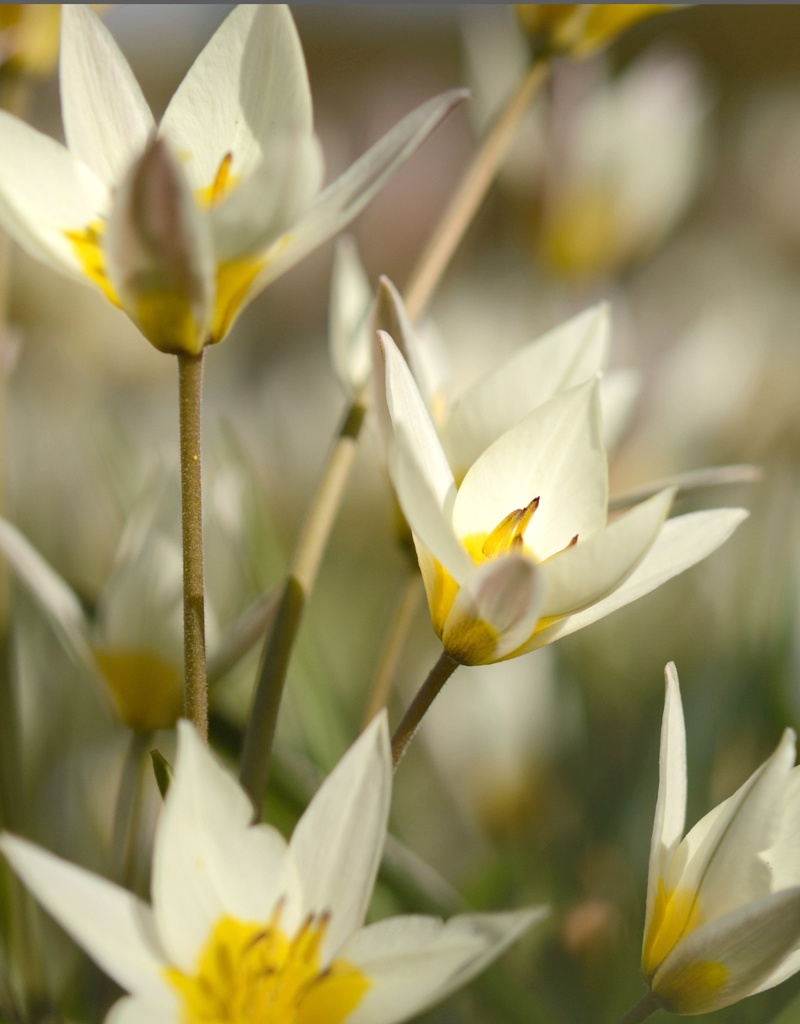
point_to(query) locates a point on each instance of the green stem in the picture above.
(426, 695)
(648, 1004)
(190, 384)
(260, 731)
(471, 192)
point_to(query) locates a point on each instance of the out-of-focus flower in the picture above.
(468, 421)
(623, 167)
(245, 926)
(29, 36)
(581, 29)
(723, 902)
(521, 553)
(242, 187)
(133, 643)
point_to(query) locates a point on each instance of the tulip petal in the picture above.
(55, 598)
(275, 195)
(110, 923)
(730, 957)
(413, 962)
(682, 542)
(136, 1011)
(44, 192)
(209, 861)
(107, 121)
(587, 571)
(670, 817)
(495, 610)
(556, 454)
(348, 323)
(562, 358)
(338, 842)
(429, 521)
(248, 85)
(722, 863)
(341, 201)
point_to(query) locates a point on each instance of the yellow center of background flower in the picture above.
(255, 974)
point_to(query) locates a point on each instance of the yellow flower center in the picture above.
(87, 244)
(147, 689)
(255, 974)
(675, 914)
(222, 184)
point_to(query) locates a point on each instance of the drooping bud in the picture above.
(160, 254)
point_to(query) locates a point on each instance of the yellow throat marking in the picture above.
(255, 974)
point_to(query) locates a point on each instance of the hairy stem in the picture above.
(641, 1011)
(190, 384)
(426, 695)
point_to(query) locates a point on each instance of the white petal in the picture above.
(590, 569)
(107, 121)
(783, 856)
(566, 356)
(428, 520)
(411, 418)
(338, 842)
(348, 320)
(723, 862)
(349, 194)
(275, 195)
(137, 1011)
(682, 542)
(749, 943)
(556, 454)
(670, 816)
(504, 594)
(111, 924)
(413, 962)
(247, 86)
(52, 594)
(208, 859)
(45, 191)
(160, 254)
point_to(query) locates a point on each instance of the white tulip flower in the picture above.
(185, 234)
(521, 553)
(245, 927)
(723, 902)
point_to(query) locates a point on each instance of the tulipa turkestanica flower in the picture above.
(244, 926)
(521, 552)
(723, 902)
(185, 234)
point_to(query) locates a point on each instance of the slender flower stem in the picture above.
(393, 645)
(310, 547)
(426, 695)
(190, 384)
(470, 192)
(641, 1011)
(313, 539)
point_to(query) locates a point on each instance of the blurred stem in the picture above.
(471, 191)
(190, 385)
(393, 645)
(426, 695)
(126, 814)
(303, 568)
(313, 539)
(647, 1004)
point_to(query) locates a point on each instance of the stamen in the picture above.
(221, 179)
(509, 532)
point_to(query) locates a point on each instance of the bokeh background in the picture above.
(662, 175)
